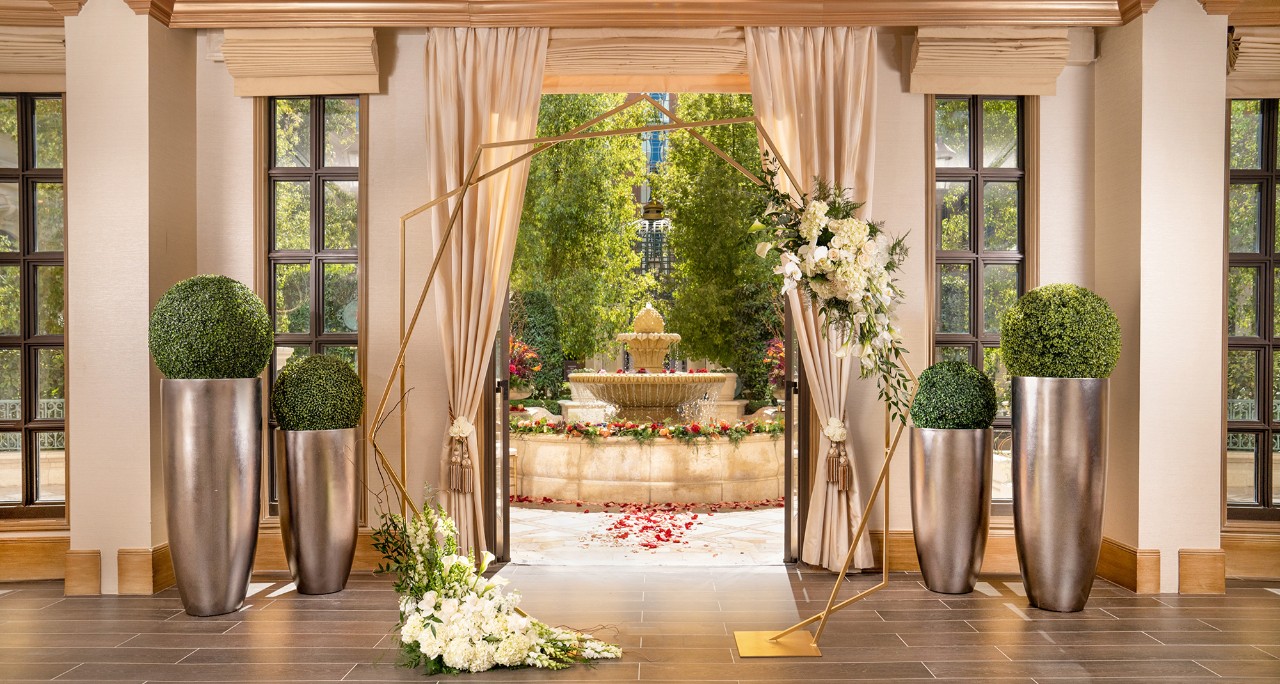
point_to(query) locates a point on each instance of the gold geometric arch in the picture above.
(785, 643)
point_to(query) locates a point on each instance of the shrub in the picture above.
(1060, 331)
(320, 392)
(210, 326)
(954, 395)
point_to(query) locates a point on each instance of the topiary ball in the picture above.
(210, 326)
(1060, 331)
(954, 395)
(319, 392)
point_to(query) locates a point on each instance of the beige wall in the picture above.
(224, 156)
(1066, 180)
(131, 233)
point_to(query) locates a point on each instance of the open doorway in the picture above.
(612, 227)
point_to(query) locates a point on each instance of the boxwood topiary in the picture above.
(319, 392)
(1060, 331)
(954, 395)
(210, 326)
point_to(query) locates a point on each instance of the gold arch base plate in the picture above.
(764, 645)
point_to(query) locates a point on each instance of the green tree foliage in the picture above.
(725, 301)
(535, 322)
(954, 395)
(1060, 331)
(578, 229)
(320, 392)
(210, 326)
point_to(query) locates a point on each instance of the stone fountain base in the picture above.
(598, 412)
(619, 469)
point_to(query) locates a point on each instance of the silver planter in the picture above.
(1059, 478)
(316, 476)
(212, 477)
(950, 505)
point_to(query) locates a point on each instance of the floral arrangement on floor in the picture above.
(648, 432)
(453, 619)
(775, 359)
(523, 362)
(847, 266)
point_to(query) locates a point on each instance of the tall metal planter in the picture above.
(318, 500)
(950, 505)
(212, 437)
(1059, 481)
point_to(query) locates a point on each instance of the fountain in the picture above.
(650, 394)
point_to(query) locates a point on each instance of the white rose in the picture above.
(461, 427)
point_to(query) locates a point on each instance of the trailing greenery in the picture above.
(320, 392)
(210, 326)
(643, 433)
(724, 298)
(534, 320)
(954, 395)
(1060, 331)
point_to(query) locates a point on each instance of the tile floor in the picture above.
(675, 624)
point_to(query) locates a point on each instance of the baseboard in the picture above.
(1202, 571)
(143, 572)
(1000, 558)
(83, 572)
(1252, 554)
(1137, 570)
(270, 554)
(34, 558)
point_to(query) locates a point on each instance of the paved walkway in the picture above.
(541, 536)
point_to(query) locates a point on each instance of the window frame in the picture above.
(976, 257)
(29, 344)
(317, 256)
(1265, 427)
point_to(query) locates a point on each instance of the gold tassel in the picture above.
(460, 467)
(833, 464)
(465, 472)
(846, 474)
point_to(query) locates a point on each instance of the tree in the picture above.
(579, 227)
(725, 299)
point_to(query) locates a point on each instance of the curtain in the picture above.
(814, 91)
(483, 85)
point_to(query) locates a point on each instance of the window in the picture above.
(979, 242)
(33, 388)
(313, 229)
(1253, 319)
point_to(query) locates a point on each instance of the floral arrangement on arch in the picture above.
(846, 265)
(453, 619)
(523, 362)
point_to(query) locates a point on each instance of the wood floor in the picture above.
(674, 624)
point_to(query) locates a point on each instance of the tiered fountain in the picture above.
(649, 394)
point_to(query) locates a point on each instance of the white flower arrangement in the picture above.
(847, 266)
(453, 619)
(461, 428)
(835, 430)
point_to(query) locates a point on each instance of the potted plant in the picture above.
(318, 402)
(1060, 344)
(951, 473)
(523, 362)
(211, 337)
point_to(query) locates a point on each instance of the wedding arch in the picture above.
(789, 642)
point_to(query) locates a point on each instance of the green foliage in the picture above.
(578, 228)
(210, 326)
(552, 405)
(320, 392)
(534, 320)
(1060, 331)
(724, 298)
(954, 395)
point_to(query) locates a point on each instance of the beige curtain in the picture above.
(483, 85)
(814, 91)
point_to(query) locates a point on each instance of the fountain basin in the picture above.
(619, 469)
(648, 397)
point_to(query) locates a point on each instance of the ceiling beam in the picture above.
(643, 13)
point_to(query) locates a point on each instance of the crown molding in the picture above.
(641, 13)
(1247, 12)
(67, 8)
(160, 10)
(1132, 9)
